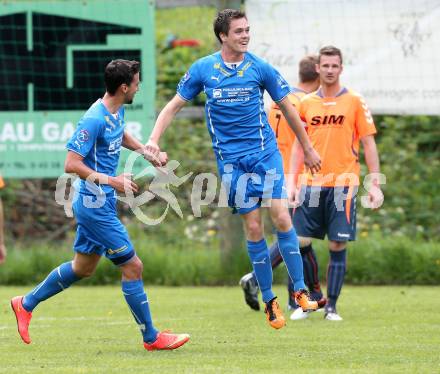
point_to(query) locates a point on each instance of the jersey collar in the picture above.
(296, 90)
(228, 71)
(340, 93)
(109, 118)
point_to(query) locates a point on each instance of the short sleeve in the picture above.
(364, 120)
(85, 135)
(190, 84)
(274, 83)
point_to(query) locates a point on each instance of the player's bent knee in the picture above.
(133, 269)
(84, 272)
(254, 230)
(304, 241)
(283, 222)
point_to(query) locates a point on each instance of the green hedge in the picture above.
(371, 260)
(379, 259)
(409, 149)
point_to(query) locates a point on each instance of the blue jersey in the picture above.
(98, 138)
(234, 109)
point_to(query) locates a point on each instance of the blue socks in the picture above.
(138, 303)
(289, 249)
(335, 276)
(259, 256)
(58, 280)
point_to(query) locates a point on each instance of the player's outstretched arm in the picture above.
(311, 157)
(164, 119)
(131, 143)
(74, 164)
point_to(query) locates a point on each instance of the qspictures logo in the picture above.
(62, 58)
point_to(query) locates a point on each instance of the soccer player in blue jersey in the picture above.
(308, 82)
(93, 155)
(248, 159)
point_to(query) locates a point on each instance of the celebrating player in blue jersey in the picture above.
(93, 155)
(248, 159)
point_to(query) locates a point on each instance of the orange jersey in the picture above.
(2, 182)
(334, 126)
(284, 134)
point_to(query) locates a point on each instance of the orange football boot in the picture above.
(304, 300)
(274, 315)
(167, 341)
(23, 318)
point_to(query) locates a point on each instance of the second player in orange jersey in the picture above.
(338, 120)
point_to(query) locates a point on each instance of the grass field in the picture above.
(89, 330)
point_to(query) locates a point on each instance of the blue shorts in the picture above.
(99, 229)
(327, 211)
(250, 179)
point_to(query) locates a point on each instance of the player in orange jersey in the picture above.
(2, 236)
(308, 82)
(338, 120)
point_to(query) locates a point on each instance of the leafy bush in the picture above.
(183, 261)
(409, 149)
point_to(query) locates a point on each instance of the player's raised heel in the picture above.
(167, 341)
(304, 300)
(23, 318)
(274, 315)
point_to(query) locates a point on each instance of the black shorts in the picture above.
(327, 211)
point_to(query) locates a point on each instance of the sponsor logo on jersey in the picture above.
(327, 120)
(217, 93)
(115, 146)
(83, 136)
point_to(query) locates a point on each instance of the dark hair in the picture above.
(223, 21)
(307, 69)
(118, 72)
(329, 50)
